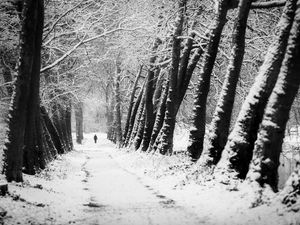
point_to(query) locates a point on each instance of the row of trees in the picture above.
(33, 139)
(251, 149)
(54, 61)
(169, 54)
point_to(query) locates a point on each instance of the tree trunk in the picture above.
(68, 123)
(291, 191)
(184, 75)
(166, 143)
(49, 145)
(55, 138)
(109, 123)
(149, 91)
(131, 104)
(238, 149)
(158, 90)
(199, 112)
(139, 119)
(109, 112)
(117, 112)
(272, 129)
(219, 127)
(138, 137)
(61, 119)
(28, 68)
(183, 67)
(79, 122)
(159, 119)
(188, 72)
(34, 158)
(133, 116)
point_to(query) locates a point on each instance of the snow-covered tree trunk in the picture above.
(183, 69)
(268, 145)
(33, 150)
(117, 111)
(184, 83)
(149, 91)
(199, 111)
(159, 118)
(138, 137)
(47, 140)
(28, 68)
(79, 122)
(158, 90)
(61, 115)
(109, 112)
(131, 104)
(134, 116)
(138, 127)
(68, 121)
(166, 143)
(291, 191)
(219, 127)
(55, 138)
(237, 153)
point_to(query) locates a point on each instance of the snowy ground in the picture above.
(99, 184)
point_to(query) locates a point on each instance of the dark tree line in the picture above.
(33, 138)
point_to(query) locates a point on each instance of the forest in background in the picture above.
(224, 69)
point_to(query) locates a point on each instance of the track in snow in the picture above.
(120, 197)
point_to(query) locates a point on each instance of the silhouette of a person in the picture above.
(95, 138)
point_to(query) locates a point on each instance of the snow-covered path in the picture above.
(99, 184)
(88, 186)
(120, 197)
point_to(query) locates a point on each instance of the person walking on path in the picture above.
(95, 138)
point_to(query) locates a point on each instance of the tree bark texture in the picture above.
(34, 153)
(239, 147)
(166, 143)
(269, 141)
(188, 74)
(52, 131)
(68, 118)
(29, 62)
(138, 137)
(149, 92)
(109, 113)
(79, 122)
(139, 121)
(197, 131)
(158, 90)
(62, 121)
(131, 104)
(133, 120)
(219, 127)
(159, 118)
(117, 111)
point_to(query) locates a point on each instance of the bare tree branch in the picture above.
(83, 41)
(59, 18)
